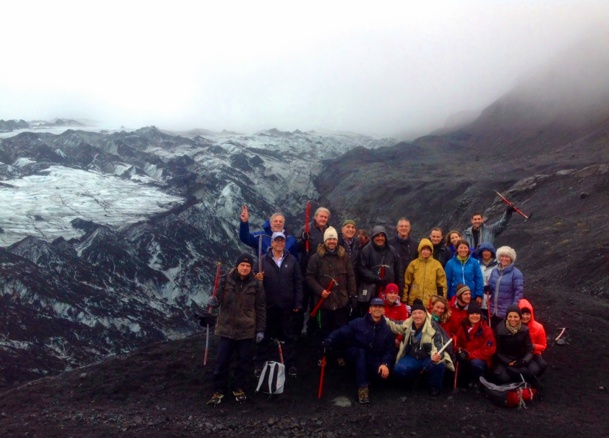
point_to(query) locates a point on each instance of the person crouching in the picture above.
(419, 350)
(371, 347)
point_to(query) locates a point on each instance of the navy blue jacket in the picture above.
(377, 339)
(283, 285)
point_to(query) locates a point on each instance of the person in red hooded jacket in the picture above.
(538, 335)
(394, 309)
(475, 345)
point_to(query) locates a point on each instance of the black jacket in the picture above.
(282, 285)
(371, 259)
(407, 249)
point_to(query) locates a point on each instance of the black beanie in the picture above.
(473, 307)
(513, 308)
(245, 258)
(417, 305)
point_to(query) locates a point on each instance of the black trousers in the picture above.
(226, 348)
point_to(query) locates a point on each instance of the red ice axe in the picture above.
(318, 305)
(516, 209)
(210, 310)
(321, 377)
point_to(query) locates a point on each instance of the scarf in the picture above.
(513, 330)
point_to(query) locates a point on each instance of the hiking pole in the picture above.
(321, 301)
(559, 340)
(321, 377)
(280, 350)
(260, 253)
(210, 310)
(440, 351)
(516, 209)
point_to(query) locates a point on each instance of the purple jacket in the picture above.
(507, 288)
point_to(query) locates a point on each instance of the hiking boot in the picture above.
(239, 395)
(362, 395)
(257, 372)
(434, 392)
(215, 399)
(293, 372)
(341, 362)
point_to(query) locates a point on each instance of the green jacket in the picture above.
(242, 307)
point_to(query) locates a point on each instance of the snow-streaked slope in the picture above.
(43, 205)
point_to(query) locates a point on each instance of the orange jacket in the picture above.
(536, 330)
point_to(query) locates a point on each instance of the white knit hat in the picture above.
(506, 250)
(330, 233)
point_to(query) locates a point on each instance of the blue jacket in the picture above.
(507, 288)
(468, 273)
(377, 339)
(251, 239)
(282, 285)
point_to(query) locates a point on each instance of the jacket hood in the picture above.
(378, 230)
(525, 304)
(506, 250)
(425, 243)
(486, 246)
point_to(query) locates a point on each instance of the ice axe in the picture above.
(331, 285)
(516, 209)
(210, 310)
(322, 363)
(559, 339)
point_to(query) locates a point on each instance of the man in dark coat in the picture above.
(440, 252)
(380, 264)
(241, 319)
(405, 246)
(331, 262)
(282, 282)
(370, 347)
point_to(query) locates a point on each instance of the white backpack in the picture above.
(272, 378)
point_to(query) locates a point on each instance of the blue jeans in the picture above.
(410, 368)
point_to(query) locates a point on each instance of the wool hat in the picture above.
(245, 258)
(377, 302)
(277, 234)
(330, 233)
(474, 308)
(513, 308)
(506, 250)
(348, 222)
(417, 305)
(392, 287)
(461, 288)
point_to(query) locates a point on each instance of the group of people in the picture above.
(386, 306)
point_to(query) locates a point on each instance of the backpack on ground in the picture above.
(272, 378)
(509, 395)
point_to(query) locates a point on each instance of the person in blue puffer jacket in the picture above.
(463, 268)
(506, 284)
(275, 224)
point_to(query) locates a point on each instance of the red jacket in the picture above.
(479, 341)
(536, 330)
(456, 316)
(397, 312)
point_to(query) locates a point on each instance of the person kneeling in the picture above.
(476, 346)
(419, 350)
(370, 347)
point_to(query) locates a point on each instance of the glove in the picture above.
(213, 302)
(305, 235)
(381, 281)
(259, 337)
(462, 355)
(326, 344)
(520, 364)
(510, 210)
(487, 289)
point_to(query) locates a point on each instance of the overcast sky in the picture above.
(372, 67)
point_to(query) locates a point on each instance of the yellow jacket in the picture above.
(424, 277)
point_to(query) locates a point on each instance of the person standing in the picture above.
(282, 281)
(241, 319)
(464, 269)
(480, 232)
(330, 264)
(488, 262)
(506, 284)
(424, 276)
(369, 347)
(404, 244)
(440, 252)
(274, 225)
